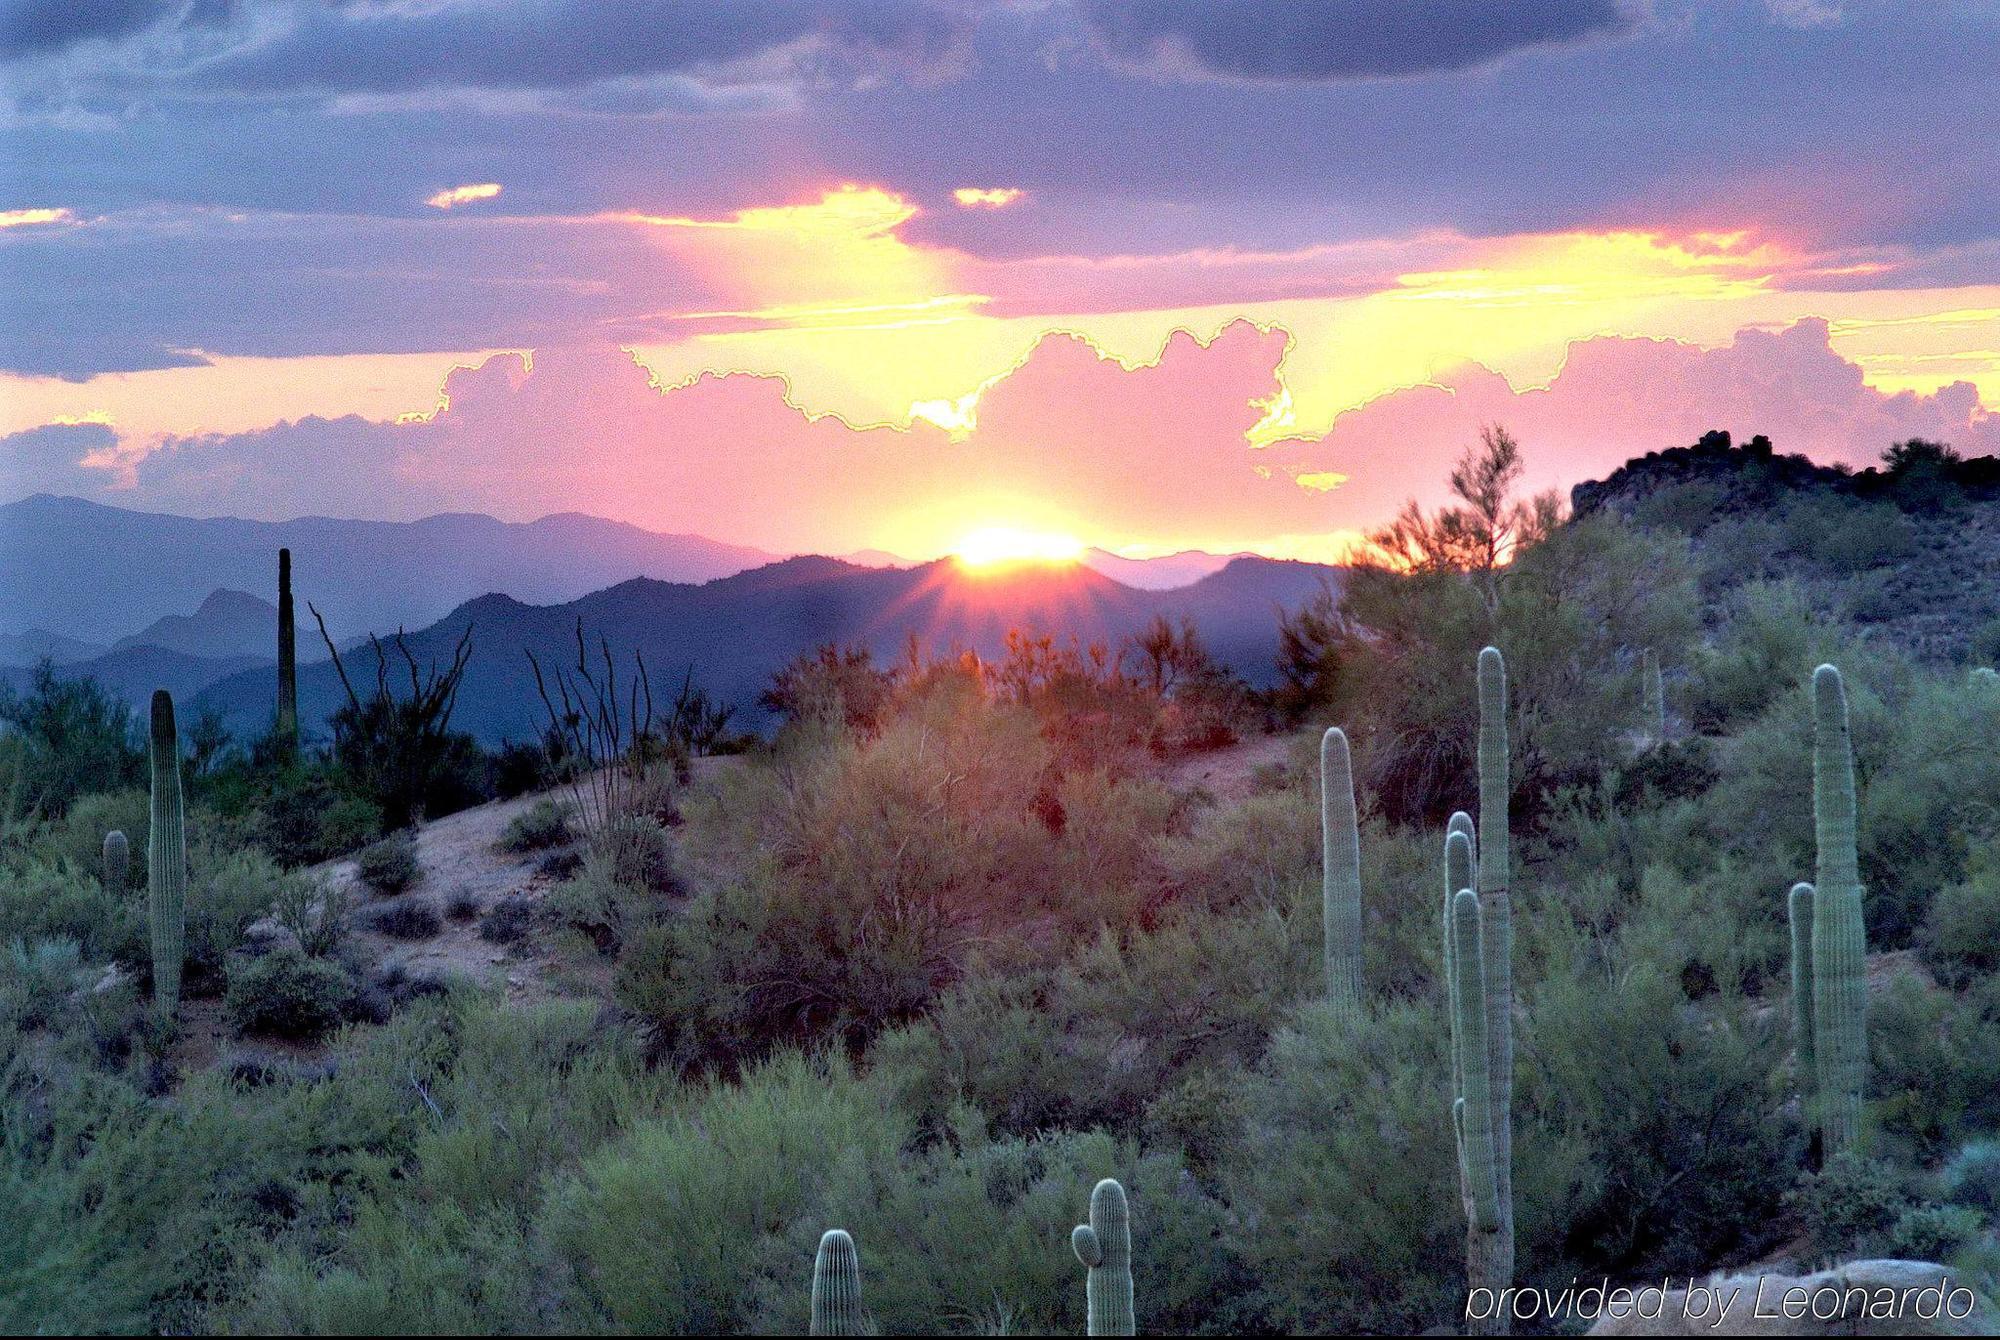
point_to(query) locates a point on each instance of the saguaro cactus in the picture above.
(1340, 871)
(1839, 947)
(1457, 875)
(1104, 1245)
(288, 657)
(1656, 699)
(117, 861)
(166, 859)
(836, 1288)
(1479, 950)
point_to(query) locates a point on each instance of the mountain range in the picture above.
(733, 632)
(80, 570)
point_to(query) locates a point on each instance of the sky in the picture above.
(883, 275)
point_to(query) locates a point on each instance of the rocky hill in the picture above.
(1910, 549)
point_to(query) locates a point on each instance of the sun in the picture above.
(995, 546)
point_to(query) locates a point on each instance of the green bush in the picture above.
(542, 825)
(1932, 1233)
(391, 865)
(1849, 1208)
(287, 994)
(407, 919)
(1972, 1177)
(1961, 933)
(1934, 1063)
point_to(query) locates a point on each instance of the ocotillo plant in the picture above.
(288, 658)
(1656, 700)
(1799, 913)
(1340, 872)
(836, 1287)
(1104, 1245)
(166, 859)
(1839, 967)
(1497, 937)
(117, 861)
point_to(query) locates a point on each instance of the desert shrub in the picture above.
(1934, 1062)
(1107, 861)
(400, 752)
(509, 920)
(634, 851)
(78, 837)
(1961, 932)
(287, 994)
(520, 767)
(1845, 536)
(301, 814)
(315, 913)
(605, 909)
(559, 864)
(1972, 1177)
(544, 824)
(462, 905)
(1848, 1208)
(76, 737)
(36, 979)
(225, 895)
(44, 900)
(407, 919)
(1932, 1233)
(771, 1150)
(391, 865)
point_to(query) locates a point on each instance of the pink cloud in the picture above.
(1069, 441)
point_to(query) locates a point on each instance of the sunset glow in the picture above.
(999, 546)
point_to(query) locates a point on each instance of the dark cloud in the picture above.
(549, 45)
(49, 459)
(44, 27)
(1254, 40)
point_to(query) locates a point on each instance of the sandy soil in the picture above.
(1230, 775)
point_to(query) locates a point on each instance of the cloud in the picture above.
(1253, 41)
(463, 195)
(987, 197)
(50, 459)
(41, 27)
(550, 45)
(1619, 397)
(35, 217)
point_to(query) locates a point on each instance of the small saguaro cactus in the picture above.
(836, 1287)
(288, 657)
(1472, 1104)
(1104, 1245)
(1656, 700)
(117, 861)
(1839, 940)
(1340, 871)
(166, 859)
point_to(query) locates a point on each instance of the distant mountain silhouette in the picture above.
(1158, 574)
(86, 571)
(39, 643)
(133, 673)
(737, 630)
(227, 623)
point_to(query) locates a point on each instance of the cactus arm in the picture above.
(166, 859)
(1340, 871)
(1472, 1111)
(1457, 875)
(1799, 915)
(1839, 938)
(1083, 1241)
(836, 1287)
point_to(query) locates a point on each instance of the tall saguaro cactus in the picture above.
(166, 859)
(288, 658)
(1104, 1245)
(1495, 857)
(1839, 940)
(1340, 871)
(836, 1287)
(117, 861)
